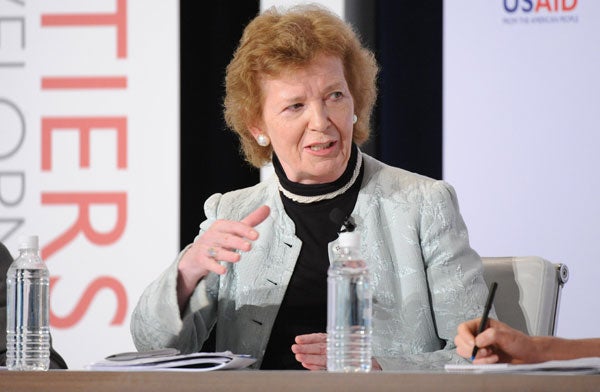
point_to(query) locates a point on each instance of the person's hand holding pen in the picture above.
(486, 340)
(497, 343)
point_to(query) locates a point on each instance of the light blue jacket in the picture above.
(426, 278)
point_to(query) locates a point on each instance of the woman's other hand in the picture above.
(311, 352)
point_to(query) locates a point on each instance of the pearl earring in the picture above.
(354, 119)
(263, 140)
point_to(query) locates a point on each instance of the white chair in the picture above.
(528, 294)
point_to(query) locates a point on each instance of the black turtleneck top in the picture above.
(304, 306)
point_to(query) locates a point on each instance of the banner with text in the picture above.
(89, 136)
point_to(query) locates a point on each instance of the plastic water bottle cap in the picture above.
(349, 239)
(28, 242)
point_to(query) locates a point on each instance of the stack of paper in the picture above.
(582, 365)
(165, 361)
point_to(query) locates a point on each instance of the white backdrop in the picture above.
(105, 203)
(521, 132)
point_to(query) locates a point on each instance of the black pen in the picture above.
(484, 318)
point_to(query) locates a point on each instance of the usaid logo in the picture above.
(539, 11)
(526, 6)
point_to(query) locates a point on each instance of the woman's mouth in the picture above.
(321, 146)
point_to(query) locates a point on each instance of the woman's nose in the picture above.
(319, 118)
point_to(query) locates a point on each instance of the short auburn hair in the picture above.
(274, 42)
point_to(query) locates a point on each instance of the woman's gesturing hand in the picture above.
(220, 242)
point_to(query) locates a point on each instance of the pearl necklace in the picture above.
(327, 196)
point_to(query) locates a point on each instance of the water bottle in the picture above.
(349, 308)
(27, 310)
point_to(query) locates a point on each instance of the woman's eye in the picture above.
(337, 95)
(295, 106)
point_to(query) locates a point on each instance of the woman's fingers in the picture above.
(232, 235)
(229, 235)
(312, 362)
(221, 242)
(311, 350)
(215, 267)
(312, 367)
(257, 216)
(218, 253)
(311, 338)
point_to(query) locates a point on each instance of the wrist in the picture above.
(540, 349)
(189, 270)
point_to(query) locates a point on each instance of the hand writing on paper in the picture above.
(220, 242)
(498, 343)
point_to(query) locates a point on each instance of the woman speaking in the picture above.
(299, 93)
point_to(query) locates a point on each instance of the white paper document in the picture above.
(195, 362)
(582, 365)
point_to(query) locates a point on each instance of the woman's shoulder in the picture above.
(238, 203)
(379, 172)
(394, 183)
